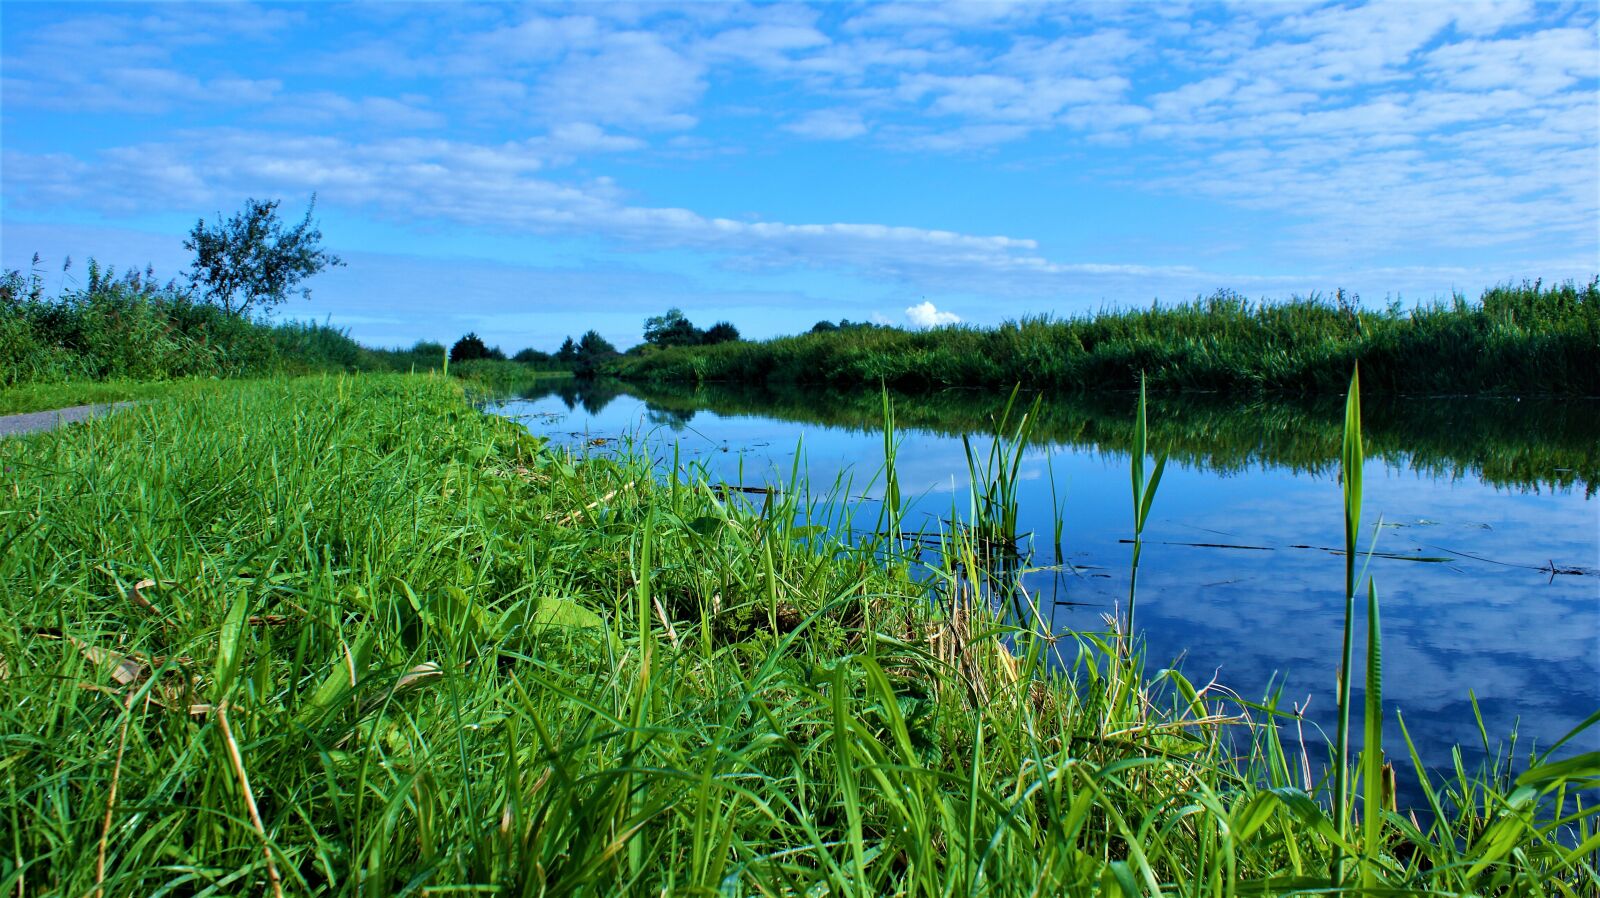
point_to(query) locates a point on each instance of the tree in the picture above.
(472, 347)
(592, 350)
(721, 332)
(594, 346)
(671, 329)
(531, 356)
(568, 353)
(251, 261)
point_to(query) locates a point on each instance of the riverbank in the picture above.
(347, 633)
(1526, 339)
(484, 377)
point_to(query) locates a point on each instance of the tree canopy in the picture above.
(671, 329)
(472, 347)
(721, 332)
(253, 261)
(675, 329)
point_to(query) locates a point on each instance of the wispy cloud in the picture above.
(828, 124)
(506, 188)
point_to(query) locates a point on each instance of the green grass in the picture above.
(1514, 339)
(348, 636)
(486, 378)
(47, 396)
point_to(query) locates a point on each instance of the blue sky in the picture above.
(530, 172)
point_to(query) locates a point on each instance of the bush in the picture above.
(130, 327)
(721, 332)
(471, 347)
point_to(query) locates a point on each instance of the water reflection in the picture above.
(1489, 541)
(1526, 443)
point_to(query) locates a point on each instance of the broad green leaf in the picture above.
(230, 645)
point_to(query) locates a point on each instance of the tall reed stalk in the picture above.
(1350, 464)
(1144, 493)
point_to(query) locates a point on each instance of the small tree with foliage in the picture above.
(472, 347)
(592, 350)
(721, 332)
(252, 261)
(568, 353)
(595, 346)
(671, 329)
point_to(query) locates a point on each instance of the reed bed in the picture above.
(349, 636)
(1528, 338)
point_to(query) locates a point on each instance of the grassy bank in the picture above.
(348, 636)
(47, 396)
(482, 376)
(1514, 339)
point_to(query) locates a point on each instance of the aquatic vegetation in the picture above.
(1528, 338)
(347, 635)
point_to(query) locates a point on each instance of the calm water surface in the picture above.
(1236, 580)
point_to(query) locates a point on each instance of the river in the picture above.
(1485, 513)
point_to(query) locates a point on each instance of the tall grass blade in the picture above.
(1350, 463)
(1372, 774)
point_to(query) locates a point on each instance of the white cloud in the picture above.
(632, 78)
(828, 124)
(504, 187)
(767, 45)
(924, 315)
(1363, 133)
(401, 114)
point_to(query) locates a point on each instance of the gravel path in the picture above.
(33, 422)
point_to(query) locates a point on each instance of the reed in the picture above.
(349, 636)
(1527, 338)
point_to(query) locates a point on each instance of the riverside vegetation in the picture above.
(349, 636)
(129, 336)
(1528, 338)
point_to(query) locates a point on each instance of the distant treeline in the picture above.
(1527, 338)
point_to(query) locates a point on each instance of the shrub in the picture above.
(472, 347)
